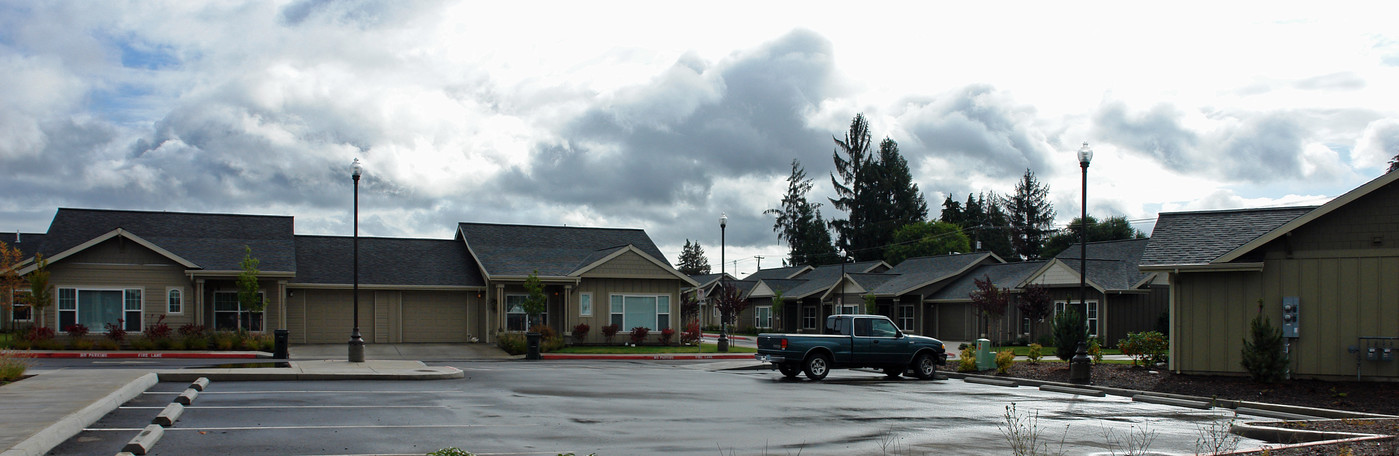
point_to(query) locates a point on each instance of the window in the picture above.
(874, 327)
(19, 307)
(97, 308)
(847, 309)
(762, 317)
(585, 304)
(229, 313)
(515, 317)
(906, 317)
(174, 300)
(1092, 314)
(650, 311)
(809, 317)
(1025, 325)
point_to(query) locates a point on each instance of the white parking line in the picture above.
(158, 393)
(347, 426)
(297, 406)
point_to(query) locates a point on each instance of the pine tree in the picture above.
(799, 223)
(1031, 216)
(876, 192)
(692, 260)
(1069, 330)
(852, 188)
(1263, 356)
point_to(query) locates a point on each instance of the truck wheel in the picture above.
(789, 370)
(894, 371)
(817, 366)
(924, 367)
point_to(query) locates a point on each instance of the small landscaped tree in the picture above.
(10, 281)
(990, 301)
(1069, 330)
(40, 293)
(248, 297)
(1035, 304)
(777, 305)
(1263, 354)
(730, 303)
(536, 301)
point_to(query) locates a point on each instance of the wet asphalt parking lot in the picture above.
(643, 407)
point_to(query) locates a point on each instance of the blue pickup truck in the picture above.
(853, 341)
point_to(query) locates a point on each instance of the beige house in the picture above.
(133, 268)
(1339, 262)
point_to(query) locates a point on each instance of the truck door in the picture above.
(876, 342)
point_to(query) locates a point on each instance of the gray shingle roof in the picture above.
(782, 285)
(870, 281)
(1111, 264)
(820, 279)
(385, 261)
(29, 243)
(1188, 238)
(922, 271)
(1004, 275)
(775, 273)
(212, 241)
(518, 250)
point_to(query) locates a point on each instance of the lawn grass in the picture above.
(645, 349)
(1048, 352)
(5, 339)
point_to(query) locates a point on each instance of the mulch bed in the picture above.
(1369, 397)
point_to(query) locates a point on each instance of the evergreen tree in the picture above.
(1069, 330)
(876, 192)
(852, 187)
(897, 200)
(692, 259)
(1031, 216)
(952, 212)
(799, 223)
(1263, 356)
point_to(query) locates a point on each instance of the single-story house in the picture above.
(1338, 263)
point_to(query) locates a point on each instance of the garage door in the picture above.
(435, 317)
(329, 317)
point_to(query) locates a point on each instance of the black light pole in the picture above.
(356, 341)
(1085, 155)
(723, 285)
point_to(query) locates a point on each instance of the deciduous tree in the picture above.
(926, 239)
(10, 258)
(989, 300)
(1110, 229)
(248, 297)
(535, 300)
(1034, 303)
(40, 292)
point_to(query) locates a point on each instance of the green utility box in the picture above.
(985, 359)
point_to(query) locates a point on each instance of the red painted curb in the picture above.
(142, 355)
(656, 356)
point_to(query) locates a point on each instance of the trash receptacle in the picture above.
(532, 340)
(985, 359)
(279, 338)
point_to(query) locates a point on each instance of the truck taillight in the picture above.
(784, 343)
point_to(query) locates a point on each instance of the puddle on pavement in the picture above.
(242, 365)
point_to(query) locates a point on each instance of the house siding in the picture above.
(603, 288)
(629, 265)
(121, 263)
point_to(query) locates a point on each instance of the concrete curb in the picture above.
(654, 356)
(71, 425)
(282, 374)
(1294, 436)
(123, 355)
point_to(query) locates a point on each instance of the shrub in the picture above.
(1069, 330)
(1035, 352)
(666, 335)
(512, 343)
(196, 342)
(691, 336)
(12, 366)
(1095, 350)
(82, 343)
(106, 344)
(172, 344)
(224, 340)
(1263, 355)
(142, 343)
(551, 344)
(38, 334)
(610, 331)
(191, 329)
(967, 361)
(1045, 340)
(267, 343)
(248, 341)
(77, 331)
(1004, 359)
(1147, 348)
(116, 332)
(158, 331)
(545, 332)
(638, 334)
(580, 332)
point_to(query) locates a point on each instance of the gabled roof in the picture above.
(767, 287)
(329, 260)
(1112, 265)
(1338, 202)
(822, 278)
(915, 273)
(705, 280)
(1202, 237)
(778, 273)
(862, 283)
(555, 251)
(210, 241)
(1004, 275)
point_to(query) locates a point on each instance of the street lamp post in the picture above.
(723, 285)
(1080, 369)
(356, 341)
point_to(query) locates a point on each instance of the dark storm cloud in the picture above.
(696, 123)
(978, 126)
(1157, 133)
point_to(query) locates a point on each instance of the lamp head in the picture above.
(723, 219)
(356, 169)
(1085, 155)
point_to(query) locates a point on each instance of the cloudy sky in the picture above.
(662, 115)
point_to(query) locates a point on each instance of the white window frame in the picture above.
(809, 314)
(180, 296)
(1091, 309)
(759, 319)
(261, 316)
(585, 304)
(509, 312)
(906, 326)
(662, 319)
(129, 324)
(847, 309)
(16, 303)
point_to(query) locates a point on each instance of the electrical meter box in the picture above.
(1290, 305)
(985, 358)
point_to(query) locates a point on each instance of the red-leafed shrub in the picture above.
(610, 331)
(77, 331)
(116, 331)
(691, 334)
(159, 330)
(666, 335)
(638, 334)
(580, 332)
(39, 334)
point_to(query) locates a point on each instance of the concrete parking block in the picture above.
(200, 383)
(1153, 399)
(145, 440)
(1274, 414)
(187, 397)
(168, 416)
(1074, 391)
(991, 381)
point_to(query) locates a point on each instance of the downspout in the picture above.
(1171, 362)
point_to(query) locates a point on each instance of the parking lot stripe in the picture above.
(141, 407)
(345, 426)
(155, 393)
